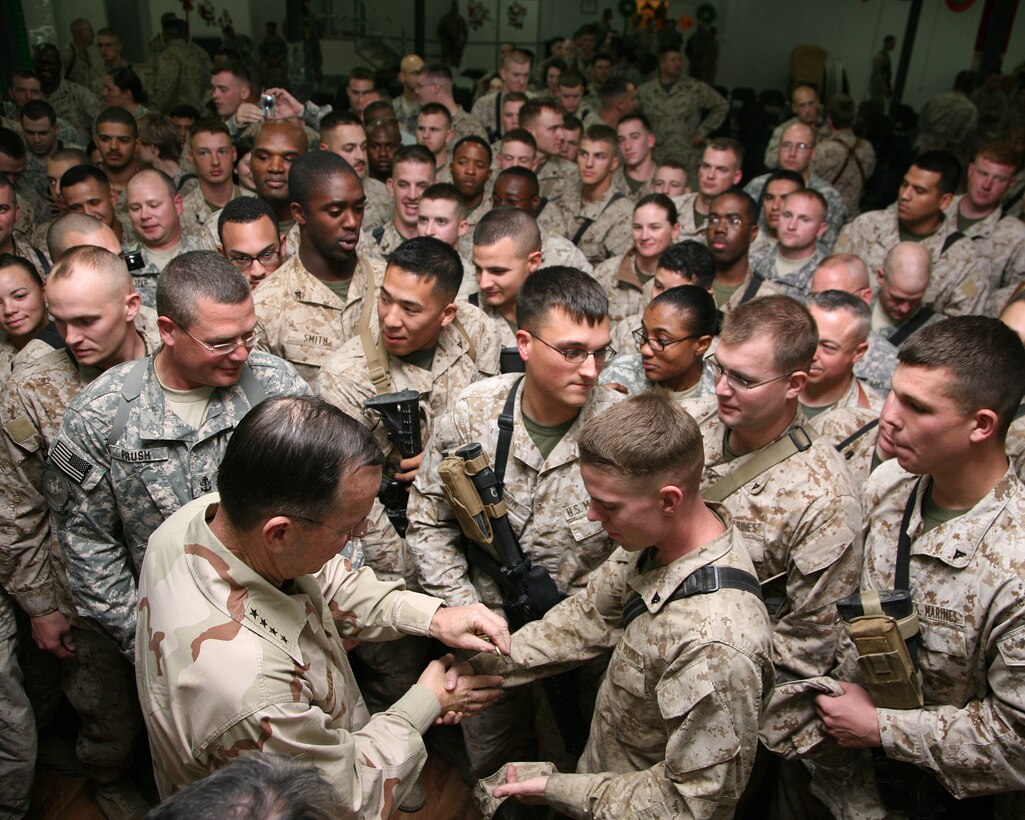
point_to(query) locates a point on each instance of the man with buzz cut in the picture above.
(434, 132)
(791, 497)
(806, 108)
(91, 298)
(214, 157)
(248, 232)
(636, 145)
(600, 217)
(412, 173)
(558, 178)
(515, 72)
(310, 306)
(442, 214)
(790, 264)
(563, 338)
(87, 190)
(423, 340)
(718, 171)
(688, 748)
(944, 522)
(146, 437)
(959, 282)
(342, 133)
(434, 84)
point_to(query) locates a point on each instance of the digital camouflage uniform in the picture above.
(344, 380)
(959, 282)
(181, 76)
(627, 369)
(686, 208)
(406, 112)
(79, 62)
(1001, 244)
(472, 219)
(675, 728)
(389, 241)
(967, 583)
(17, 721)
(210, 240)
(557, 250)
(876, 367)
(196, 210)
(796, 284)
(145, 279)
(620, 183)
(547, 506)
(303, 321)
(39, 259)
(506, 335)
(1016, 444)
(610, 232)
(551, 220)
(107, 499)
(836, 211)
(946, 121)
(465, 125)
(801, 522)
(558, 179)
(767, 288)
(380, 204)
(688, 109)
(229, 664)
(76, 104)
(846, 162)
(838, 424)
(623, 283)
(485, 108)
(771, 158)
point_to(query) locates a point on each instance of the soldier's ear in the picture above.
(671, 497)
(297, 214)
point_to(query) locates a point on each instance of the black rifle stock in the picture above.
(400, 414)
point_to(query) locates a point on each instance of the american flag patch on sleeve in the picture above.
(72, 465)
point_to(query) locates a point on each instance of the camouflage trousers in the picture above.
(99, 683)
(17, 726)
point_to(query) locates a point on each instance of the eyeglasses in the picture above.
(357, 530)
(733, 220)
(658, 345)
(227, 348)
(577, 356)
(735, 381)
(266, 258)
(790, 146)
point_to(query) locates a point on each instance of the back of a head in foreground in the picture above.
(254, 787)
(75, 229)
(785, 321)
(647, 438)
(508, 223)
(691, 260)
(195, 275)
(570, 290)
(984, 360)
(288, 457)
(111, 268)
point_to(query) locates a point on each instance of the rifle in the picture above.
(528, 591)
(400, 413)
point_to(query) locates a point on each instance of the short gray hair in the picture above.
(198, 274)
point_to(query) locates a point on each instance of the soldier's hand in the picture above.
(52, 633)
(619, 388)
(287, 105)
(248, 113)
(462, 627)
(408, 467)
(470, 695)
(528, 791)
(851, 718)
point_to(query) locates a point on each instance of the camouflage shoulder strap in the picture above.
(373, 351)
(797, 440)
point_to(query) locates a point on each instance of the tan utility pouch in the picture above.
(464, 499)
(883, 655)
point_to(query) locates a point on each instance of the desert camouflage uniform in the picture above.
(406, 112)
(196, 210)
(472, 219)
(796, 284)
(627, 369)
(380, 204)
(79, 63)
(836, 212)
(210, 240)
(301, 319)
(17, 722)
(465, 125)
(506, 335)
(959, 283)
(676, 117)
(181, 76)
(620, 183)
(801, 522)
(76, 104)
(547, 506)
(767, 288)
(11, 357)
(675, 728)
(946, 122)
(559, 180)
(274, 678)
(771, 158)
(557, 250)
(876, 367)
(686, 208)
(1001, 244)
(551, 219)
(858, 395)
(145, 279)
(30, 207)
(38, 257)
(610, 233)
(621, 280)
(838, 424)
(967, 583)
(107, 499)
(344, 380)
(848, 176)
(389, 241)
(484, 111)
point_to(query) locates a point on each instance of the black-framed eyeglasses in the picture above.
(267, 258)
(578, 356)
(227, 348)
(658, 345)
(735, 381)
(734, 220)
(357, 530)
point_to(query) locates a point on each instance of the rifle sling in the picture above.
(506, 420)
(587, 223)
(702, 581)
(853, 437)
(902, 570)
(796, 440)
(911, 325)
(752, 288)
(373, 351)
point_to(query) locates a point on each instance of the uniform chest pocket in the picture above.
(627, 670)
(576, 519)
(947, 639)
(310, 347)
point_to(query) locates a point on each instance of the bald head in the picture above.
(903, 280)
(412, 63)
(74, 229)
(842, 271)
(106, 270)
